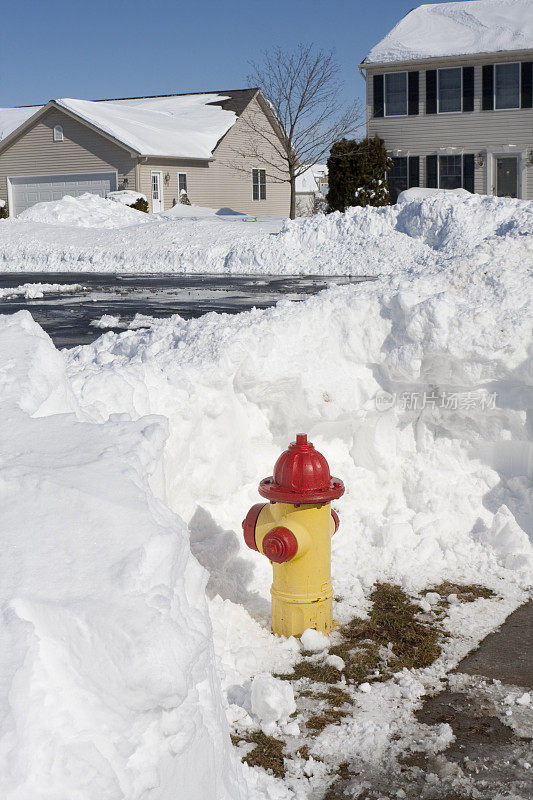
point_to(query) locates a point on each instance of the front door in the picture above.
(507, 176)
(157, 192)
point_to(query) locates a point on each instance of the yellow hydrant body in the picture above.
(301, 589)
(296, 537)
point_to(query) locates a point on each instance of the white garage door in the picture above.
(27, 191)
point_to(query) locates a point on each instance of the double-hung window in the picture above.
(404, 174)
(395, 94)
(450, 171)
(507, 85)
(182, 183)
(259, 187)
(450, 90)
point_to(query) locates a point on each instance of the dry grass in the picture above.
(466, 593)
(267, 753)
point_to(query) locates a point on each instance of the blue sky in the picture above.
(117, 48)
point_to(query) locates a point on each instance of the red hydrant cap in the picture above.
(280, 544)
(301, 475)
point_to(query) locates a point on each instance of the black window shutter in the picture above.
(431, 91)
(487, 102)
(527, 84)
(378, 95)
(414, 171)
(468, 88)
(412, 93)
(468, 172)
(431, 172)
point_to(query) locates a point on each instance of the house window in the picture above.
(58, 133)
(450, 172)
(395, 94)
(155, 185)
(397, 177)
(259, 187)
(182, 183)
(450, 90)
(507, 86)
(405, 174)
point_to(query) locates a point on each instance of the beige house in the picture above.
(161, 146)
(450, 91)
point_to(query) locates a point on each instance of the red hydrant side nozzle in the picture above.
(280, 545)
(249, 523)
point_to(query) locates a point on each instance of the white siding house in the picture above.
(450, 91)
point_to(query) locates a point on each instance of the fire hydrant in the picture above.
(294, 531)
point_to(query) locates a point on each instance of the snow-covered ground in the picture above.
(425, 231)
(415, 386)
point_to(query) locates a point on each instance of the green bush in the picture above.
(4, 212)
(140, 205)
(358, 174)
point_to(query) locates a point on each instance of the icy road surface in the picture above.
(67, 306)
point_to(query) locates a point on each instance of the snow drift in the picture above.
(425, 230)
(108, 686)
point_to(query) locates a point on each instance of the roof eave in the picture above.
(406, 61)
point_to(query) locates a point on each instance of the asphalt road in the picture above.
(67, 317)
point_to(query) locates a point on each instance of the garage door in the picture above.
(27, 191)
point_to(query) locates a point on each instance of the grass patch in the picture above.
(267, 753)
(466, 593)
(393, 620)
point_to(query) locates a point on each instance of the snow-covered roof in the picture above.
(307, 181)
(452, 29)
(11, 118)
(186, 126)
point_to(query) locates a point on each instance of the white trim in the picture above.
(457, 111)
(28, 176)
(398, 72)
(162, 198)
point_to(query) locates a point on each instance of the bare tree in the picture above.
(302, 91)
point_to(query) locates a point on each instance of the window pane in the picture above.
(262, 184)
(450, 172)
(255, 184)
(397, 177)
(449, 90)
(395, 93)
(507, 85)
(182, 182)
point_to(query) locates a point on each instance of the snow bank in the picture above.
(34, 291)
(446, 29)
(426, 232)
(107, 682)
(415, 388)
(86, 211)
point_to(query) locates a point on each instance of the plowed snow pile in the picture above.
(425, 230)
(415, 386)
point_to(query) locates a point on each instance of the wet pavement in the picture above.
(67, 317)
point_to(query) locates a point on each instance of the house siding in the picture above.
(82, 150)
(218, 183)
(471, 132)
